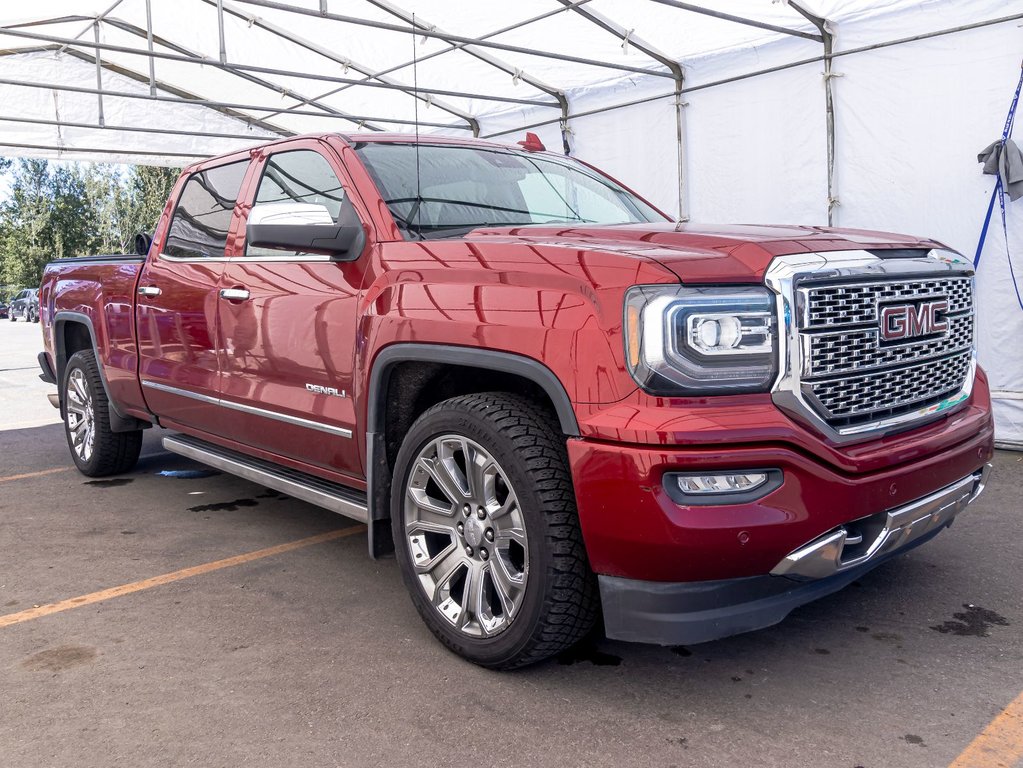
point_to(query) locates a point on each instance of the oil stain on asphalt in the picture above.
(112, 483)
(60, 658)
(973, 622)
(225, 506)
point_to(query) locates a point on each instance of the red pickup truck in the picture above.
(552, 403)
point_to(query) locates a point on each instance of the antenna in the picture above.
(415, 96)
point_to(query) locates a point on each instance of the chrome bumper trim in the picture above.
(904, 525)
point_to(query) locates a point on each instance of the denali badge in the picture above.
(319, 390)
(907, 321)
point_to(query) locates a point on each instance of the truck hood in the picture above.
(706, 253)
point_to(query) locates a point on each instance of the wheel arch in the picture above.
(438, 357)
(74, 332)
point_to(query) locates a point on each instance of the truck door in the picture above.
(288, 320)
(176, 314)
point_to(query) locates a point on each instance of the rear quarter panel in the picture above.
(103, 292)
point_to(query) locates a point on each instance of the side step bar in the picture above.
(323, 493)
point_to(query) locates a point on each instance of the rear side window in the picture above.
(203, 214)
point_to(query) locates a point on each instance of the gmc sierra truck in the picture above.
(554, 404)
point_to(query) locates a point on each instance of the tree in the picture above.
(58, 211)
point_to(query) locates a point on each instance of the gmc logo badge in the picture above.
(907, 321)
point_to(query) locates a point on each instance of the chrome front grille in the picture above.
(885, 392)
(850, 376)
(828, 354)
(856, 303)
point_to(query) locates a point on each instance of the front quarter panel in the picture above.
(559, 306)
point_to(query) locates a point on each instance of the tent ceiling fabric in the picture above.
(261, 68)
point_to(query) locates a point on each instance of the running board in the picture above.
(323, 493)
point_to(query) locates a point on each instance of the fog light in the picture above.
(746, 481)
(723, 488)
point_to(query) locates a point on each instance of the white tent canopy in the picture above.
(857, 113)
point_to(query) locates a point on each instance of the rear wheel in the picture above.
(486, 532)
(95, 448)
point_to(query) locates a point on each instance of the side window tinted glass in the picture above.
(302, 177)
(203, 214)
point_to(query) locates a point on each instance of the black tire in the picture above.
(110, 453)
(33, 317)
(558, 604)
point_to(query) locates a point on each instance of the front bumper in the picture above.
(667, 613)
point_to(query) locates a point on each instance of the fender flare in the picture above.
(472, 357)
(378, 473)
(119, 421)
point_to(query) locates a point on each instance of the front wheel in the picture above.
(95, 448)
(486, 532)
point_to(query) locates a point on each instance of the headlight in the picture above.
(683, 340)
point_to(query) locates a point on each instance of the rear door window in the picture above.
(203, 214)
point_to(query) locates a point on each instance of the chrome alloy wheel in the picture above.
(81, 419)
(466, 536)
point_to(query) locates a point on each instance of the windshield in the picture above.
(462, 188)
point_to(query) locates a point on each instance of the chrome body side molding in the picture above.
(330, 429)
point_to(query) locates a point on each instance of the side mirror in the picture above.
(143, 242)
(306, 227)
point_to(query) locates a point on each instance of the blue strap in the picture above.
(999, 192)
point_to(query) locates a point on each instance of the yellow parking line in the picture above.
(1000, 745)
(40, 473)
(167, 578)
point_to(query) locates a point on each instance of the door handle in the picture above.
(234, 294)
(149, 290)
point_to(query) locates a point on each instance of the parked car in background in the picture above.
(4, 312)
(26, 306)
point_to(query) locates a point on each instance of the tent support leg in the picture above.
(683, 213)
(828, 39)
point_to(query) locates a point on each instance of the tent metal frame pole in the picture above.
(125, 128)
(346, 62)
(99, 73)
(739, 19)
(628, 38)
(451, 38)
(216, 104)
(220, 30)
(149, 42)
(100, 151)
(270, 70)
(828, 39)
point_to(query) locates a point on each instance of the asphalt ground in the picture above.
(182, 653)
